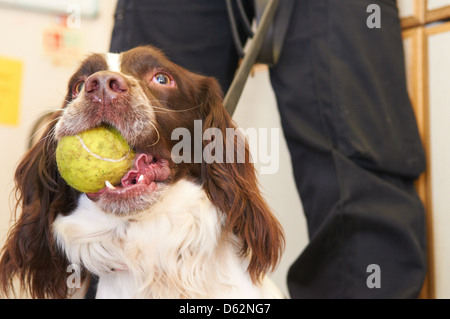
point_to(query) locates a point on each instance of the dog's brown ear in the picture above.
(231, 184)
(29, 254)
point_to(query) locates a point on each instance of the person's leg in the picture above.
(195, 34)
(355, 151)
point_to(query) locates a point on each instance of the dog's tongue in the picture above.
(146, 171)
(140, 171)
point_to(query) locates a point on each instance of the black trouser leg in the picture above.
(355, 151)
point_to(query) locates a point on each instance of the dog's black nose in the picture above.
(105, 86)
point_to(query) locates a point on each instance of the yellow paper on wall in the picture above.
(10, 84)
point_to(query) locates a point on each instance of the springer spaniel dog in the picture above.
(170, 229)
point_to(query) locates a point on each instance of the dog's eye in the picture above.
(163, 79)
(77, 88)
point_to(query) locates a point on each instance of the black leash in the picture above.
(266, 43)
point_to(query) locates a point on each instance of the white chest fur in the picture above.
(177, 249)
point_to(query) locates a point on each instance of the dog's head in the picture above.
(156, 105)
(146, 98)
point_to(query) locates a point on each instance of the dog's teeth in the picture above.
(140, 178)
(109, 185)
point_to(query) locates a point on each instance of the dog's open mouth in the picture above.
(141, 179)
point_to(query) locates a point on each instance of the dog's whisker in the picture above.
(39, 115)
(46, 111)
(162, 110)
(50, 134)
(157, 133)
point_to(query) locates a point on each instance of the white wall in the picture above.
(44, 87)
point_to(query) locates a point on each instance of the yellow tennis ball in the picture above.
(89, 159)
